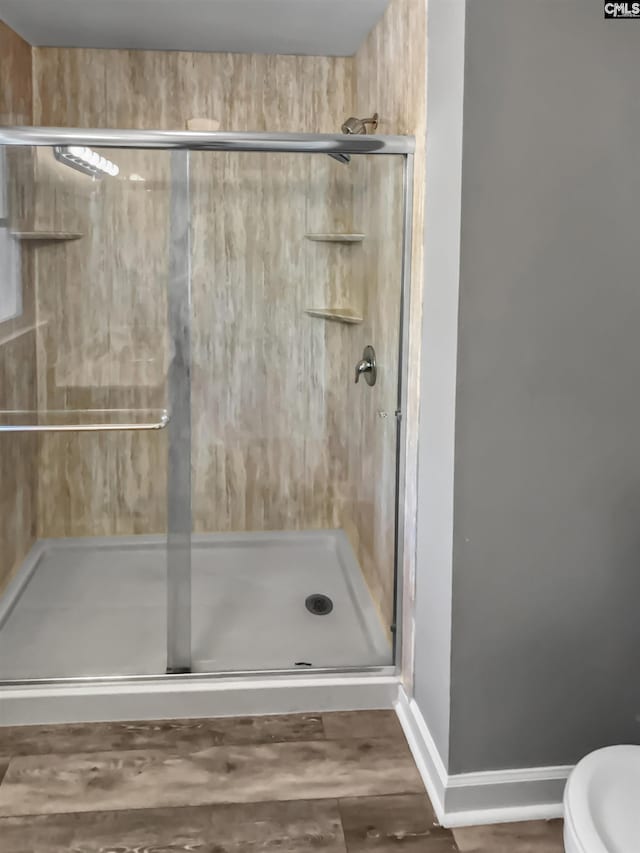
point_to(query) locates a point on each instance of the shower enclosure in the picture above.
(191, 478)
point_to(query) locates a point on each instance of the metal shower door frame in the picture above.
(179, 385)
(179, 521)
(179, 509)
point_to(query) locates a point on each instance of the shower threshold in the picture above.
(96, 607)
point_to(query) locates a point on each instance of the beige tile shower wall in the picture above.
(282, 439)
(102, 345)
(18, 453)
(162, 89)
(262, 441)
(390, 77)
(15, 68)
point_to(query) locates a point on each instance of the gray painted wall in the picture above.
(546, 551)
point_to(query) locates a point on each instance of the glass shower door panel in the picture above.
(83, 426)
(296, 268)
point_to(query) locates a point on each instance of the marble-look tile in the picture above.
(103, 345)
(538, 836)
(267, 464)
(16, 104)
(362, 724)
(387, 824)
(160, 778)
(176, 735)
(294, 827)
(286, 453)
(245, 92)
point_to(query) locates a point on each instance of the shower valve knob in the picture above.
(367, 366)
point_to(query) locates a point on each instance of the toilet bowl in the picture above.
(602, 802)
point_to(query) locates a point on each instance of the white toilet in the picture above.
(602, 802)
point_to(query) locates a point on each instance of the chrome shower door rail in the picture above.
(310, 143)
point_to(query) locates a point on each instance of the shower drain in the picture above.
(318, 604)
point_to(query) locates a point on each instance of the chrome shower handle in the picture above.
(367, 366)
(362, 367)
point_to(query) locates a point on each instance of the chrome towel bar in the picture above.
(70, 420)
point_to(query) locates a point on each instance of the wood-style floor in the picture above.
(306, 783)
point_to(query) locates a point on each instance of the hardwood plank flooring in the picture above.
(538, 836)
(329, 783)
(386, 824)
(364, 724)
(288, 827)
(221, 774)
(177, 735)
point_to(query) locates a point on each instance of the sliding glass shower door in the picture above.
(296, 277)
(84, 354)
(200, 403)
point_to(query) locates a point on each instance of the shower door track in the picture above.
(178, 421)
(194, 677)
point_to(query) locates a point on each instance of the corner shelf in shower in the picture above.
(335, 238)
(336, 315)
(46, 236)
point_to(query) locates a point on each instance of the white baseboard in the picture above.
(495, 796)
(424, 751)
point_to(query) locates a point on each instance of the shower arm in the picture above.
(353, 125)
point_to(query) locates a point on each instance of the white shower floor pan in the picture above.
(97, 606)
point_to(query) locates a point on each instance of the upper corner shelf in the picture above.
(46, 235)
(335, 238)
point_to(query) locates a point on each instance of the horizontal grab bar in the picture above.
(19, 424)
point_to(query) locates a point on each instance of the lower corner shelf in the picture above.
(46, 236)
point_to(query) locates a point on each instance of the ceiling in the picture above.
(314, 27)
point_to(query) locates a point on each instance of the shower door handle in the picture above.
(113, 420)
(367, 366)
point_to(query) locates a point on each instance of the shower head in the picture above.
(355, 125)
(359, 125)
